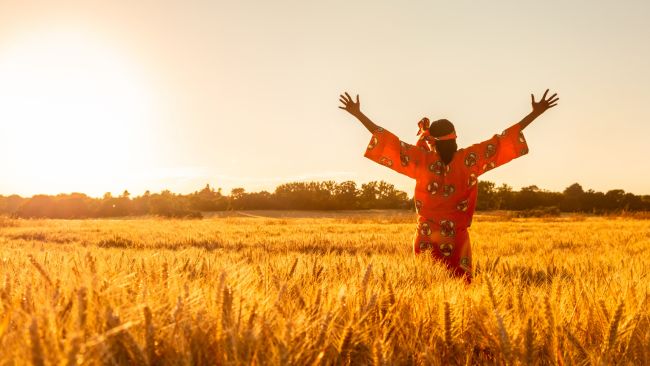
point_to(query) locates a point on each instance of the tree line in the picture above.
(325, 195)
(573, 199)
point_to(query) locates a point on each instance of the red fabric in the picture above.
(426, 141)
(445, 195)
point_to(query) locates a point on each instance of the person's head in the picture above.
(446, 148)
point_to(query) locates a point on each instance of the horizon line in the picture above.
(359, 184)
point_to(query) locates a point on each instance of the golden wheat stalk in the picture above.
(529, 342)
(583, 355)
(346, 344)
(448, 326)
(38, 358)
(40, 269)
(150, 341)
(613, 327)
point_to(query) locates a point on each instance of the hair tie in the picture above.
(449, 136)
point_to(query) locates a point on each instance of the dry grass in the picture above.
(307, 291)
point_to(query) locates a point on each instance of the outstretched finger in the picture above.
(532, 98)
(346, 97)
(544, 96)
(342, 107)
(357, 98)
(349, 97)
(552, 105)
(343, 101)
(551, 101)
(552, 96)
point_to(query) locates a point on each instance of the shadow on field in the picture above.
(313, 247)
(57, 238)
(525, 275)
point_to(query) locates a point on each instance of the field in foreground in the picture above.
(321, 290)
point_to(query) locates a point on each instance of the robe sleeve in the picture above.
(386, 149)
(498, 150)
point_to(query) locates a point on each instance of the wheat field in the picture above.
(319, 290)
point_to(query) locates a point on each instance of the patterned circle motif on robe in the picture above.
(437, 167)
(379, 129)
(471, 181)
(470, 159)
(488, 166)
(462, 206)
(425, 229)
(465, 264)
(404, 159)
(447, 228)
(446, 249)
(425, 246)
(404, 147)
(522, 139)
(490, 150)
(448, 190)
(432, 187)
(418, 205)
(373, 142)
(524, 150)
(386, 161)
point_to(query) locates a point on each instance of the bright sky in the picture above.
(106, 96)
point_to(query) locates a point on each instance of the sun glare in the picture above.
(74, 114)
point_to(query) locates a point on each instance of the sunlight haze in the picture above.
(105, 96)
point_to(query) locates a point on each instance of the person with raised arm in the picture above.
(445, 176)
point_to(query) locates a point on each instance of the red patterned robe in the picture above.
(445, 195)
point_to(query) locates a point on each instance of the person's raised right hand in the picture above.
(354, 108)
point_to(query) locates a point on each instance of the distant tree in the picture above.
(346, 195)
(505, 197)
(369, 195)
(75, 205)
(573, 198)
(257, 200)
(614, 199)
(528, 198)
(9, 205)
(389, 197)
(486, 199)
(236, 195)
(382, 195)
(37, 207)
(170, 205)
(208, 199)
(574, 190)
(632, 202)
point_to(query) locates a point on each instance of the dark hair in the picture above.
(446, 148)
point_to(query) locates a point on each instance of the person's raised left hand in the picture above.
(354, 108)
